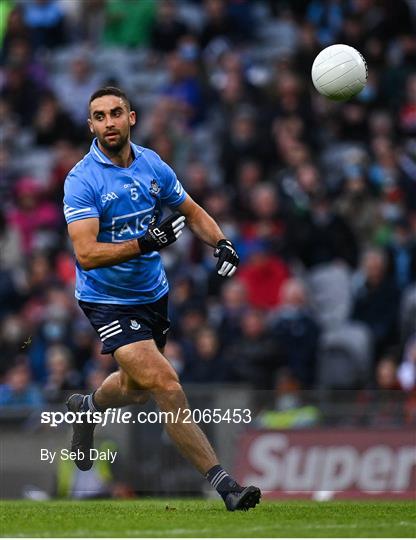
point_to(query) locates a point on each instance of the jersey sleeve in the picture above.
(79, 200)
(172, 191)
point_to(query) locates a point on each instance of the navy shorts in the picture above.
(118, 325)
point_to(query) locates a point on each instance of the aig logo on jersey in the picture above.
(109, 197)
(130, 225)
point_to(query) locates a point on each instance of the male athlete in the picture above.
(113, 206)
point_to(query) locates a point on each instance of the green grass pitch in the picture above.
(206, 518)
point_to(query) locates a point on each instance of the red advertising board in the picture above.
(326, 464)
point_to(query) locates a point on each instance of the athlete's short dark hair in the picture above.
(110, 91)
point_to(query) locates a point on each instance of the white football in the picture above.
(339, 72)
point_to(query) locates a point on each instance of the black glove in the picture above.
(163, 235)
(228, 259)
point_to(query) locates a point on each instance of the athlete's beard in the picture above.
(115, 148)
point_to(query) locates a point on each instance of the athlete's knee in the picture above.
(167, 380)
(130, 389)
(169, 394)
(172, 386)
(124, 382)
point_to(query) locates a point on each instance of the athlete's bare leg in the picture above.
(119, 390)
(151, 372)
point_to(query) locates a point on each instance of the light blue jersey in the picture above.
(126, 201)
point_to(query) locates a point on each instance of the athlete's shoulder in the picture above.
(81, 167)
(81, 198)
(147, 154)
(161, 170)
(81, 171)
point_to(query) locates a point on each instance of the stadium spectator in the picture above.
(249, 175)
(296, 333)
(10, 137)
(407, 369)
(193, 318)
(408, 313)
(20, 93)
(52, 124)
(183, 91)
(91, 21)
(407, 113)
(380, 123)
(14, 338)
(226, 63)
(300, 185)
(46, 23)
(127, 23)
(167, 28)
(401, 252)
(377, 299)
(10, 298)
(241, 142)
(83, 343)
(75, 87)
(383, 404)
(218, 23)
(263, 274)
(65, 156)
(33, 217)
(11, 256)
(61, 378)
(18, 390)
(20, 53)
(288, 99)
(407, 168)
(205, 363)
(228, 313)
(197, 180)
(327, 18)
(266, 222)
(175, 353)
(308, 47)
(16, 29)
(40, 276)
(218, 201)
(160, 129)
(49, 310)
(383, 170)
(324, 236)
(254, 358)
(184, 299)
(358, 205)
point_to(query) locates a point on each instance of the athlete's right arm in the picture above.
(93, 254)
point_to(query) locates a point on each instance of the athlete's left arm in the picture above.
(200, 222)
(205, 228)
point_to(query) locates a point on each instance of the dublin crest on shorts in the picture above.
(134, 325)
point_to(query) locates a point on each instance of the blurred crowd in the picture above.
(319, 197)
